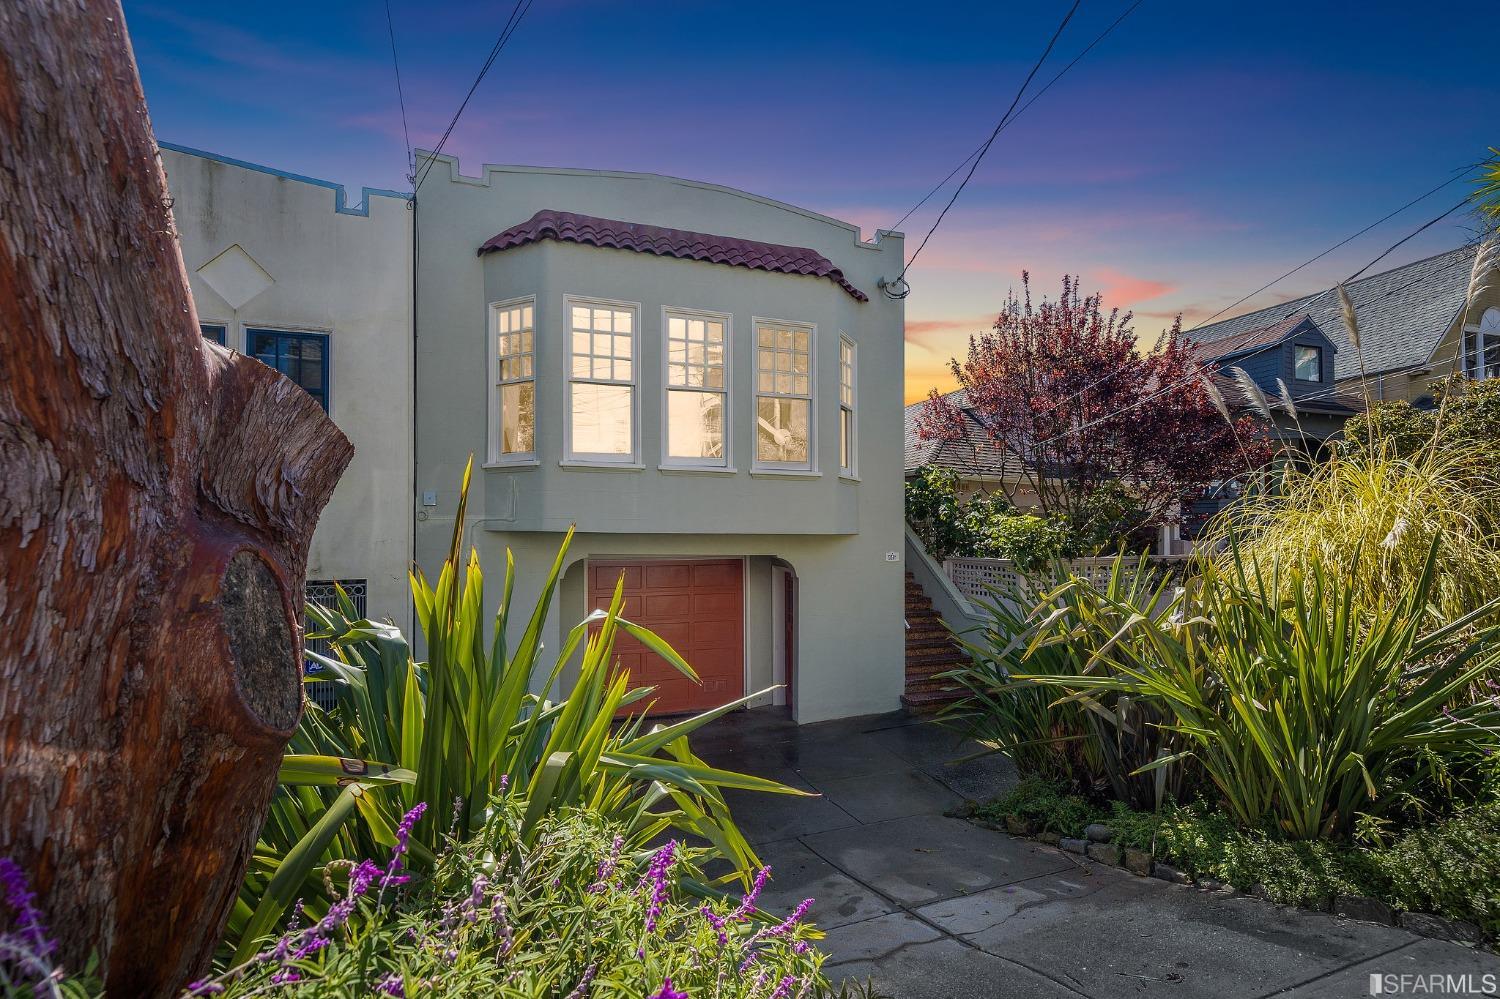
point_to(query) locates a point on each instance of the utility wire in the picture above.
(400, 93)
(1197, 374)
(1034, 98)
(1457, 175)
(979, 157)
(511, 24)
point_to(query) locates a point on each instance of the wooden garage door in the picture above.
(699, 608)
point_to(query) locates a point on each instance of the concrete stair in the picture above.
(930, 651)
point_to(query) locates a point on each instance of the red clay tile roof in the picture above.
(590, 231)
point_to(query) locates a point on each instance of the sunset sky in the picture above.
(1198, 152)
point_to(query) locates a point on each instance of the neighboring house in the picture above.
(977, 459)
(283, 269)
(707, 384)
(1292, 358)
(1410, 333)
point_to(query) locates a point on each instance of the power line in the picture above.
(1034, 98)
(400, 93)
(1196, 374)
(511, 24)
(979, 158)
(1457, 175)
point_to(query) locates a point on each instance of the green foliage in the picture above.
(1302, 706)
(936, 514)
(1450, 867)
(1055, 626)
(1101, 520)
(1046, 804)
(1371, 519)
(1398, 428)
(465, 725)
(542, 911)
(1031, 542)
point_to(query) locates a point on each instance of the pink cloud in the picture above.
(1121, 291)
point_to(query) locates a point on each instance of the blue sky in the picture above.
(1199, 151)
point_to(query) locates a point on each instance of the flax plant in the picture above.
(1304, 705)
(473, 722)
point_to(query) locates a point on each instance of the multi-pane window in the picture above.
(601, 381)
(783, 395)
(1482, 347)
(697, 388)
(1308, 363)
(513, 325)
(213, 331)
(302, 357)
(846, 405)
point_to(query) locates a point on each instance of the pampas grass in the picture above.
(1371, 517)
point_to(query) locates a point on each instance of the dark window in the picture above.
(302, 357)
(212, 331)
(1309, 363)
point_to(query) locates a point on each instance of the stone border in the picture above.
(1097, 846)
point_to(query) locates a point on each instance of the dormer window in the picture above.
(1307, 363)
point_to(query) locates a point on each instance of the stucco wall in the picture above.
(835, 533)
(333, 272)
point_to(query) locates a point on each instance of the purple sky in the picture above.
(1198, 152)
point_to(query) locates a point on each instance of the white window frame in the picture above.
(1487, 330)
(588, 459)
(788, 468)
(697, 464)
(851, 470)
(497, 458)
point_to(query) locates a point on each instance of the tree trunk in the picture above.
(157, 496)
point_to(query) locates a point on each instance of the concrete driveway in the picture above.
(931, 906)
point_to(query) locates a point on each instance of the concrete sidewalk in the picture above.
(932, 906)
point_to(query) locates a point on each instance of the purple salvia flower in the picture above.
(582, 989)
(656, 878)
(391, 985)
(403, 840)
(667, 992)
(285, 976)
(607, 868)
(747, 904)
(785, 927)
(800, 947)
(22, 902)
(784, 987)
(718, 923)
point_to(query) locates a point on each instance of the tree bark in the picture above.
(157, 496)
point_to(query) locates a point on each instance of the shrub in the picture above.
(1055, 627)
(1045, 804)
(1302, 706)
(936, 514)
(461, 726)
(569, 911)
(1031, 542)
(1372, 518)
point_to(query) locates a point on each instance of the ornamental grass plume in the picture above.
(1372, 516)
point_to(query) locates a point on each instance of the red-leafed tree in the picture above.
(1082, 416)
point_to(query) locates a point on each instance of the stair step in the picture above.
(927, 656)
(926, 702)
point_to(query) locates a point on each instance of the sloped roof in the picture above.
(589, 230)
(1252, 339)
(976, 454)
(1403, 314)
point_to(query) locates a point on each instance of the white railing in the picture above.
(973, 577)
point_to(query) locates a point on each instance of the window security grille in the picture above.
(322, 591)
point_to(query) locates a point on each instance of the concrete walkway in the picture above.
(932, 906)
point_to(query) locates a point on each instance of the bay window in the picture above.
(697, 388)
(783, 395)
(513, 366)
(601, 381)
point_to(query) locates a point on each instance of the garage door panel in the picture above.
(695, 606)
(668, 575)
(667, 606)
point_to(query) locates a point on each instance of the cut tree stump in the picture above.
(157, 497)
